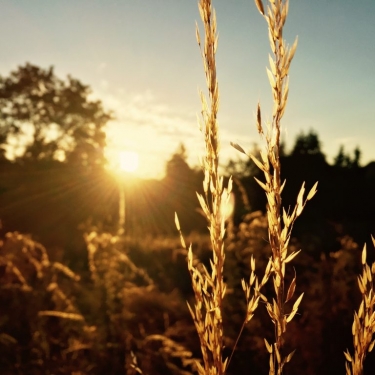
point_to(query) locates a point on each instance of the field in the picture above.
(255, 268)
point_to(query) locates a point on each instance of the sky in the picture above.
(141, 59)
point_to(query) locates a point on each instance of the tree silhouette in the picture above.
(180, 186)
(307, 144)
(357, 157)
(44, 118)
(343, 160)
(177, 168)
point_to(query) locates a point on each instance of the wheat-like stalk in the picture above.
(280, 222)
(279, 235)
(209, 287)
(363, 328)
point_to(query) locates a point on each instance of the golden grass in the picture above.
(106, 258)
(49, 284)
(279, 235)
(280, 222)
(363, 328)
(208, 285)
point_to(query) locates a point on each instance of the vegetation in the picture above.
(93, 300)
(62, 123)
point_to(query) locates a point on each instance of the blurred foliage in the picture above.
(39, 314)
(54, 322)
(46, 118)
(132, 302)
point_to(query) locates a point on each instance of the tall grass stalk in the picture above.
(280, 222)
(208, 285)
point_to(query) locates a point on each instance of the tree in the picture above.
(44, 118)
(356, 157)
(177, 169)
(307, 144)
(180, 185)
(343, 160)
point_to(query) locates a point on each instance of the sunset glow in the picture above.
(129, 161)
(155, 104)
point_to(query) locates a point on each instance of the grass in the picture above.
(209, 287)
(364, 319)
(77, 328)
(208, 284)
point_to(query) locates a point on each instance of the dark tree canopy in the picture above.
(344, 160)
(45, 118)
(177, 167)
(307, 144)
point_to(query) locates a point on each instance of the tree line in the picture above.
(54, 184)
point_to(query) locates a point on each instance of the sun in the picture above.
(129, 161)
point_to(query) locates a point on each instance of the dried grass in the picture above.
(363, 328)
(112, 270)
(209, 287)
(280, 222)
(29, 271)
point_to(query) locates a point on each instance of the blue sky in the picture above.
(141, 59)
